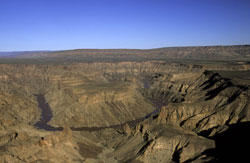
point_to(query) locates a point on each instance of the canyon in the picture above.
(132, 106)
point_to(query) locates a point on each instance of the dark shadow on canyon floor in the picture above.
(232, 145)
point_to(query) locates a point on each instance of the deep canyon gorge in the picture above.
(153, 110)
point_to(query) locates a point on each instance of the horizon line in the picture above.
(184, 46)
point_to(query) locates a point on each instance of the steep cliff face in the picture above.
(30, 145)
(98, 108)
(172, 86)
(208, 103)
(152, 142)
(16, 108)
(198, 106)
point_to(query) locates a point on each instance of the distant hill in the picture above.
(237, 52)
(22, 54)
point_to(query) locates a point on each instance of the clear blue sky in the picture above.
(73, 24)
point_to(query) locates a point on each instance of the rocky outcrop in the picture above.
(210, 101)
(162, 143)
(30, 148)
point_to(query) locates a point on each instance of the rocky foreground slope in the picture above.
(200, 108)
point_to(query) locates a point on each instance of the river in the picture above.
(46, 115)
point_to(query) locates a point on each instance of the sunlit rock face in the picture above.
(208, 103)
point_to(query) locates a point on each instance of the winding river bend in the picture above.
(46, 115)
